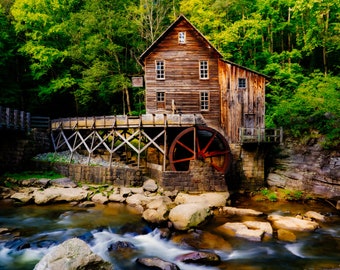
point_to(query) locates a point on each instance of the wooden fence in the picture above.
(260, 135)
(12, 119)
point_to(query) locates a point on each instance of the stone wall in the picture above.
(17, 149)
(307, 168)
(200, 178)
(116, 175)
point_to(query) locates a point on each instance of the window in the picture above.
(160, 100)
(204, 100)
(181, 37)
(204, 72)
(160, 72)
(242, 83)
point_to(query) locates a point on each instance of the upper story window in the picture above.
(160, 70)
(204, 69)
(181, 37)
(204, 101)
(242, 83)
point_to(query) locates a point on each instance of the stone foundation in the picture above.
(200, 178)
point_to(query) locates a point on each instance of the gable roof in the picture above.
(171, 27)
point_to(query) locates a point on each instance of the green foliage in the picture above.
(32, 174)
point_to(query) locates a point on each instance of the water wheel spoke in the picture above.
(212, 138)
(215, 153)
(183, 160)
(185, 147)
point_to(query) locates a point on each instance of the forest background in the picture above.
(62, 58)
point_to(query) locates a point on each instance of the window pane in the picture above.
(160, 74)
(242, 83)
(204, 70)
(181, 37)
(160, 96)
(204, 101)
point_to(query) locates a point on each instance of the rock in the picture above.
(121, 245)
(157, 263)
(292, 223)
(100, 198)
(157, 210)
(150, 185)
(260, 225)
(231, 211)
(186, 216)
(137, 190)
(57, 194)
(86, 204)
(64, 182)
(239, 229)
(116, 198)
(72, 254)
(314, 216)
(285, 235)
(211, 199)
(200, 257)
(338, 205)
(24, 197)
(137, 199)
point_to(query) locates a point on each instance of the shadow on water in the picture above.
(34, 230)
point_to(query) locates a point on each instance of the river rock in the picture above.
(211, 199)
(116, 198)
(137, 199)
(231, 211)
(200, 257)
(285, 235)
(239, 229)
(157, 263)
(100, 198)
(292, 223)
(260, 225)
(157, 210)
(314, 216)
(72, 254)
(24, 197)
(58, 194)
(186, 216)
(338, 205)
(150, 185)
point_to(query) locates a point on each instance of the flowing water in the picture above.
(37, 229)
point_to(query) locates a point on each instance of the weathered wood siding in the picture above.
(182, 83)
(240, 107)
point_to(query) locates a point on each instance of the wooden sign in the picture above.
(137, 81)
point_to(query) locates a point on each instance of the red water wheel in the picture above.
(202, 143)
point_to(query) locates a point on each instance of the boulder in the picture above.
(58, 194)
(70, 255)
(285, 235)
(260, 225)
(314, 216)
(231, 211)
(157, 263)
(24, 197)
(137, 199)
(117, 198)
(186, 216)
(157, 210)
(200, 257)
(292, 223)
(150, 185)
(210, 199)
(239, 229)
(100, 198)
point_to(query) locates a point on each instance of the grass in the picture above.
(32, 174)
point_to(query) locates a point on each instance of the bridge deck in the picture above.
(124, 121)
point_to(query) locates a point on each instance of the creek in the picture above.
(34, 230)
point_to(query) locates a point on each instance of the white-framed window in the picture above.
(160, 100)
(204, 69)
(160, 70)
(204, 100)
(242, 83)
(181, 37)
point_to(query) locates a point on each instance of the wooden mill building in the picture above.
(185, 73)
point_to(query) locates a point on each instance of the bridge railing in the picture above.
(13, 119)
(260, 135)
